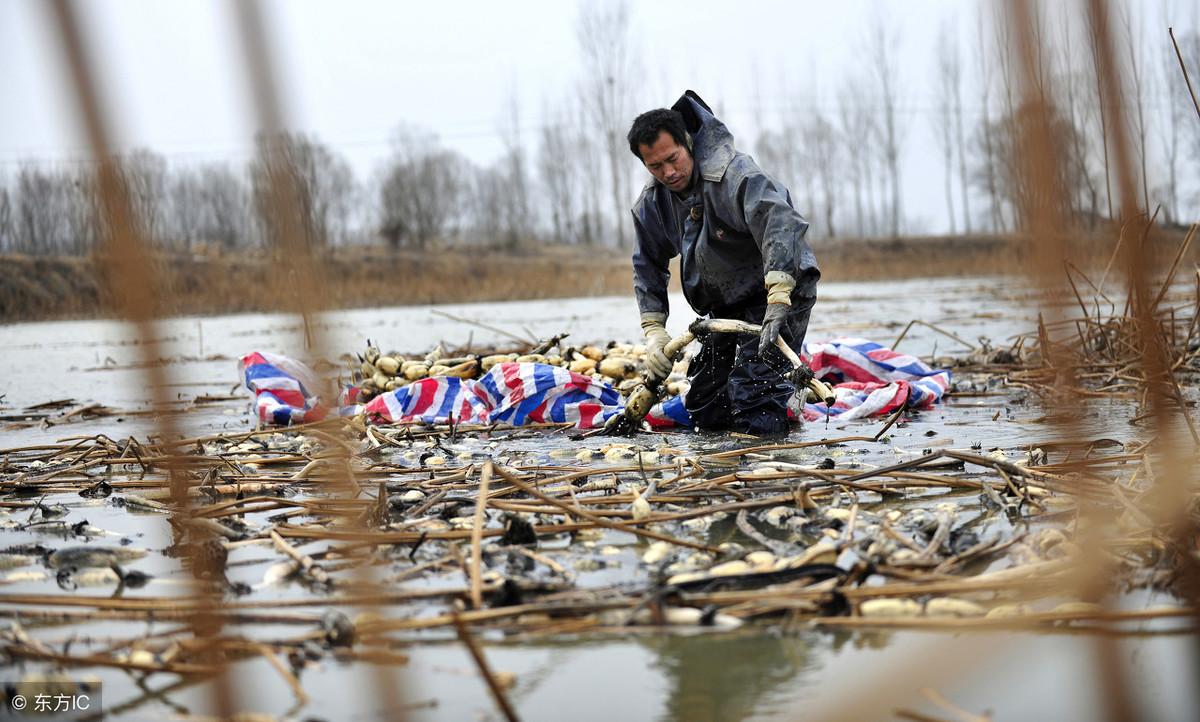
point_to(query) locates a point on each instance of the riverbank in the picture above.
(48, 288)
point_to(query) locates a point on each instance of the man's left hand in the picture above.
(772, 325)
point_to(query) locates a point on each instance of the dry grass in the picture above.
(33, 288)
(69, 287)
(847, 259)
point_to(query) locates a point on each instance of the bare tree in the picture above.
(1101, 104)
(789, 153)
(331, 191)
(557, 144)
(860, 132)
(1137, 81)
(854, 121)
(224, 205)
(184, 216)
(6, 219)
(591, 155)
(516, 212)
(876, 192)
(42, 207)
(603, 30)
(322, 181)
(1004, 47)
(1041, 70)
(821, 138)
(209, 204)
(1190, 47)
(783, 157)
(1086, 196)
(1176, 117)
(1010, 133)
(885, 67)
(955, 71)
(81, 208)
(984, 140)
(35, 218)
(489, 196)
(144, 173)
(422, 189)
(943, 117)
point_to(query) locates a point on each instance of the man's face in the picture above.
(668, 161)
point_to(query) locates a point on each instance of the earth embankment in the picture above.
(34, 288)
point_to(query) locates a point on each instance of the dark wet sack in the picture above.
(733, 387)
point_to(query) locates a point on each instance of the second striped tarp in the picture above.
(867, 379)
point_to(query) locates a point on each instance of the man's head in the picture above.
(659, 139)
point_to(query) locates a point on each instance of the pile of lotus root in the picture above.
(619, 364)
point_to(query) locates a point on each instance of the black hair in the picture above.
(648, 125)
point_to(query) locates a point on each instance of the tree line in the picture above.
(574, 180)
(841, 160)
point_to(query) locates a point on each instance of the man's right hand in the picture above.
(656, 338)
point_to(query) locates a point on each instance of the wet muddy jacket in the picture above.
(740, 224)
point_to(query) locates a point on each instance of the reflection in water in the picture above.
(711, 677)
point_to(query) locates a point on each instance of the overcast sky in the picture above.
(354, 69)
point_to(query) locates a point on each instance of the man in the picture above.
(743, 256)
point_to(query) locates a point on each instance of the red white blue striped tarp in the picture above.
(509, 393)
(285, 390)
(871, 380)
(868, 380)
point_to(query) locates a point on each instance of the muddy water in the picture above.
(758, 672)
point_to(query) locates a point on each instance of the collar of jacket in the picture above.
(712, 143)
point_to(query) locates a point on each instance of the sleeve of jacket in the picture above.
(776, 226)
(652, 253)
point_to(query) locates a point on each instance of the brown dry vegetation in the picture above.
(844, 259)
(40, 288)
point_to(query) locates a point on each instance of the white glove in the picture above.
(656, 338)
